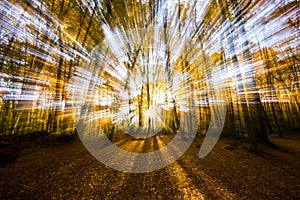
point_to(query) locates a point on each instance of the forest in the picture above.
(200, 99)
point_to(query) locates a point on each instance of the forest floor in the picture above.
(61, 168)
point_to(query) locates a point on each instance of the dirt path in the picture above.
(69, 172)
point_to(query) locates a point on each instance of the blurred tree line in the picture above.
(255, 43)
